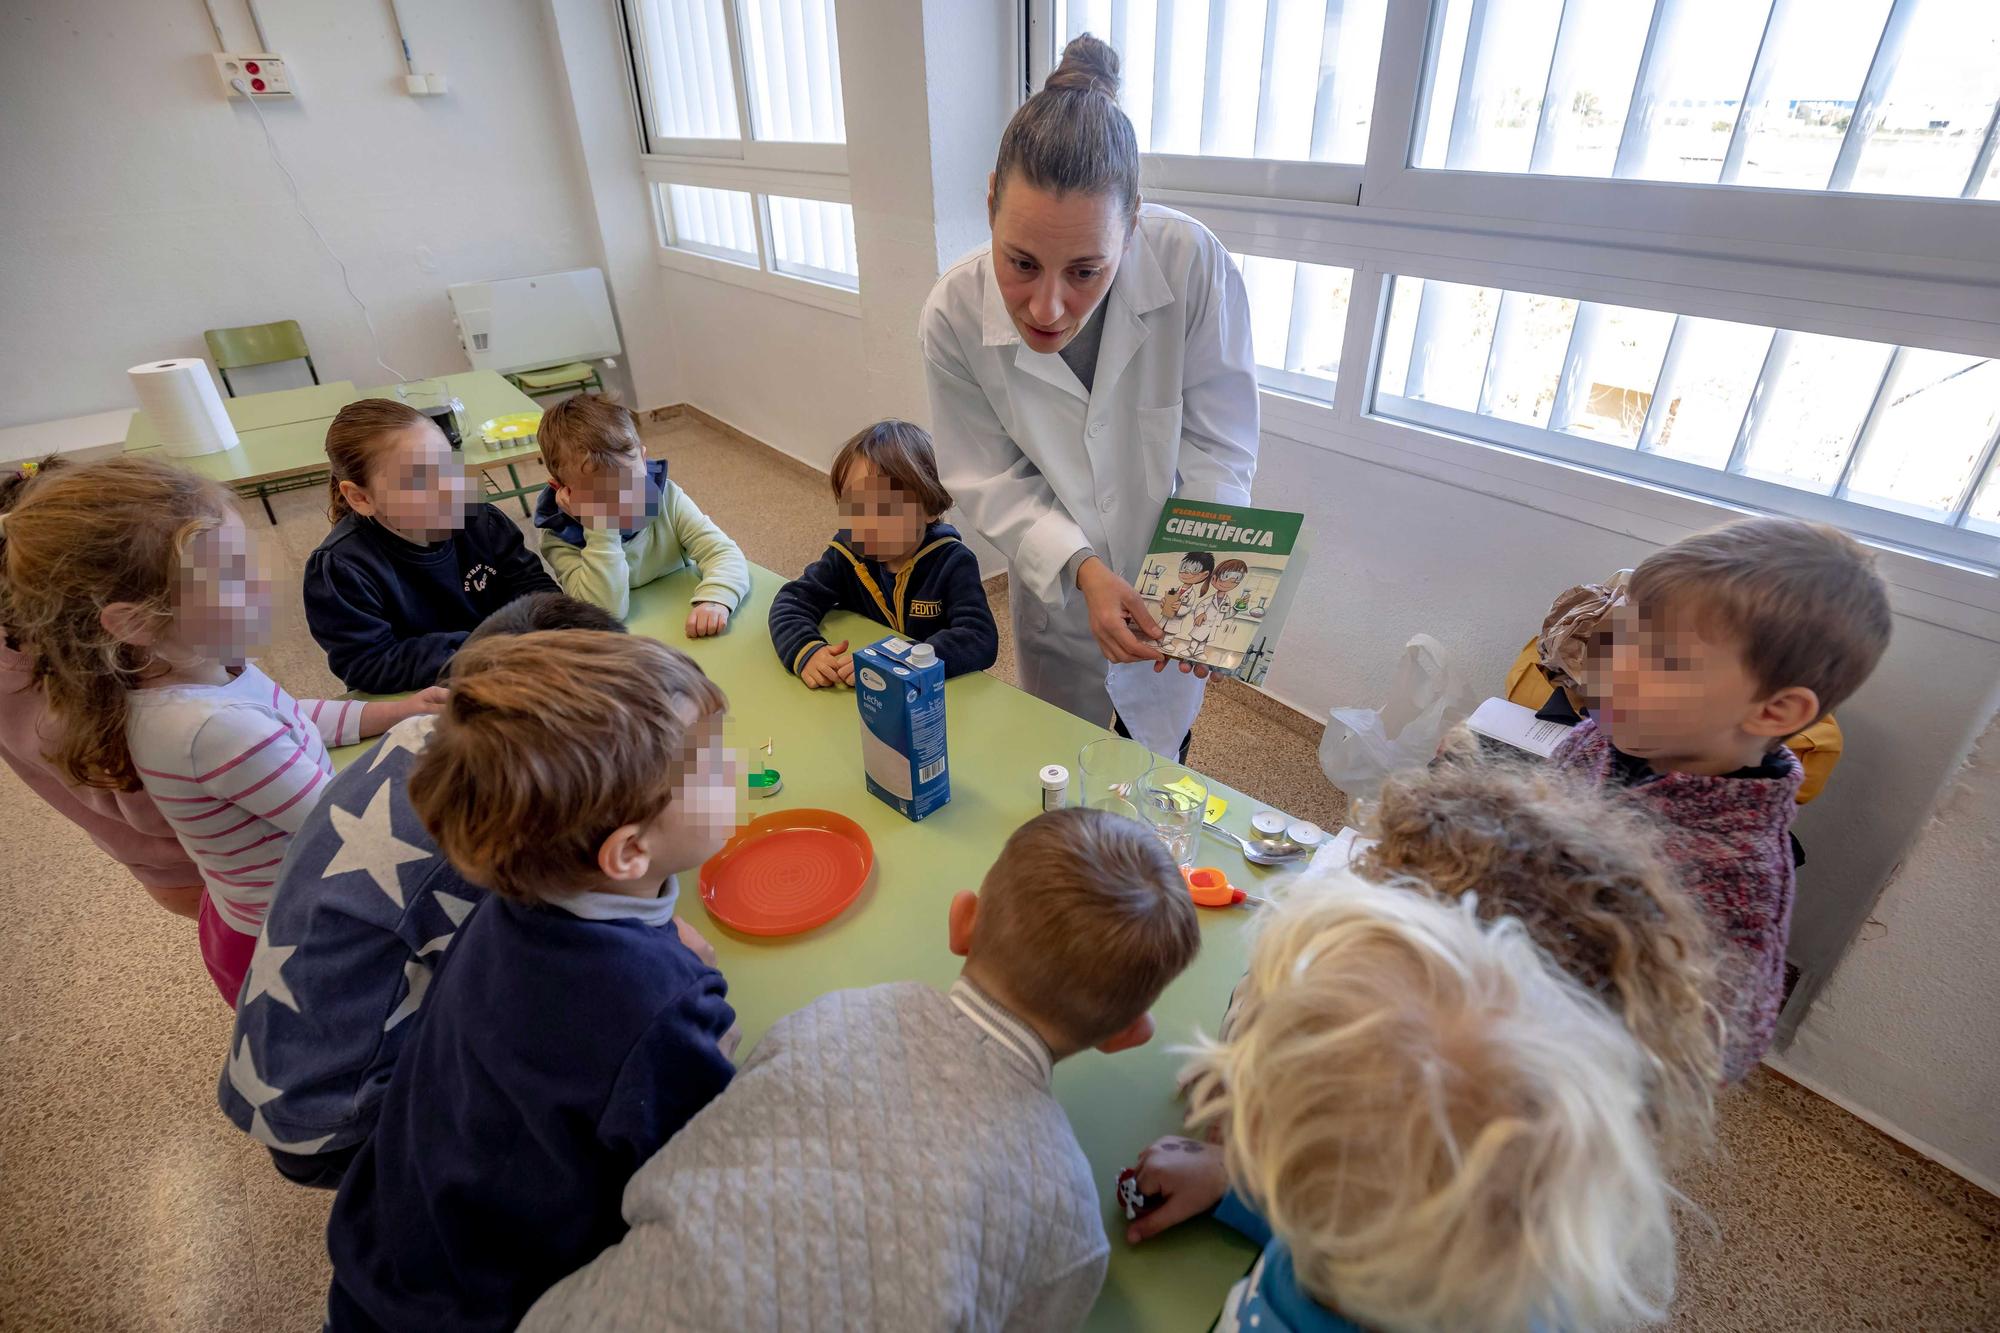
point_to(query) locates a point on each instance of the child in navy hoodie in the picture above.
(894, 561)
(569, 1032)
(409, 568)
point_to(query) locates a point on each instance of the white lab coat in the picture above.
(1043, 469)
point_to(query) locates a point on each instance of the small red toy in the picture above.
(1131, 1200)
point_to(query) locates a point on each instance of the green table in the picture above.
(281, 436)
(1000, 738)
(261, 411)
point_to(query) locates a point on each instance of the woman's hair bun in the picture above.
(1088, 65)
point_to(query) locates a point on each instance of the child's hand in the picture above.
(431, 700)
(1188, 1172)
(707, 619)
(830, 665)
(697, 944)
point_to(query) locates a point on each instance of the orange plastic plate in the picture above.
(787, 872)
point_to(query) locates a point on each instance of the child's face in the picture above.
(702, 813)
(418, 486)
(1227, 579)
(222, 597)
(1673, 697)
(611, 491)
(1192, 572)
(883, 522)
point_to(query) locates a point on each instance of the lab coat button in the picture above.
(1096, 429)
(1107, 504)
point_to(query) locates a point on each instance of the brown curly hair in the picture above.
(1591, 885)
(74, 543)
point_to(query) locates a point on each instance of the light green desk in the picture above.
(999, 739)
(261, 411)
(281, 436)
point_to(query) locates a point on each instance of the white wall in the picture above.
(139, 207)
(1903, 1035)
(791, 375)
(588, 59)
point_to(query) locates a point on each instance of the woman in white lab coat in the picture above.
(1093, 362)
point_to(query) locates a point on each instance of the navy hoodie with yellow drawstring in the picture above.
(936, 599)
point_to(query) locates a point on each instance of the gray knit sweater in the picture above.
(887, 1159)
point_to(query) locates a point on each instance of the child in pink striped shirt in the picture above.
(134, 585)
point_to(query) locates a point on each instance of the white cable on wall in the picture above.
(298, 203)
(220, 44)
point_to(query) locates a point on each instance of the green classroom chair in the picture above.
(579, 375)
(257, 345)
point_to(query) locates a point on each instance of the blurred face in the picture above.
(611, 491)
(702, 813)
(1054, 257)
(1677, 699)
(222, 597)
(417, 488)
(882, 522)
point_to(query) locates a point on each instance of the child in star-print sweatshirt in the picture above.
(571, 1031)
(365, 908)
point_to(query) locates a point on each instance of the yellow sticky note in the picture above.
(1189, 788)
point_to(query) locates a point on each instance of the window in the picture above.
(1298, 313)
(1883, 96)
(811, 238)
(1905, 436)
(709, 222)
(1741, 250)
(740, 109)
(1276, 80)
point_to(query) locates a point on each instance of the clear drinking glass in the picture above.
(1109, 770)
(1173, 799)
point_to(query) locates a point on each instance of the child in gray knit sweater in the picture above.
(892, 1158)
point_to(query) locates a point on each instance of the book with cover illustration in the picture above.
(1220, 579)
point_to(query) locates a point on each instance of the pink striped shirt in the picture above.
(235, 769)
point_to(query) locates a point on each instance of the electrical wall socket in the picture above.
(265, 75)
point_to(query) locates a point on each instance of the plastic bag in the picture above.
(1362, 746)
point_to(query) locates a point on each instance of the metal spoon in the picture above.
(1262, 852)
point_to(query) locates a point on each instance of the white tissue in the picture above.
(1157, 707)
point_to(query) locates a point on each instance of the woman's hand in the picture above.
(707, 619)
(1118, 615)
(1188, 1172)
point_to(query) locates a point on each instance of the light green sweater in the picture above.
(604, 570)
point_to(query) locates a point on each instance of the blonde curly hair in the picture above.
(1589, 882)
(1444, 1129)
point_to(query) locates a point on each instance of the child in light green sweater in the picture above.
(611, 521)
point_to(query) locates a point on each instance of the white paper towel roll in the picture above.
(180, 401)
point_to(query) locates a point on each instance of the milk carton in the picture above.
(900, 687)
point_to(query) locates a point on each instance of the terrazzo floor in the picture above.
(128, 1202)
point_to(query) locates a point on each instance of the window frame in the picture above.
(1718, 252)
(1920, 236)
(747, 165)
